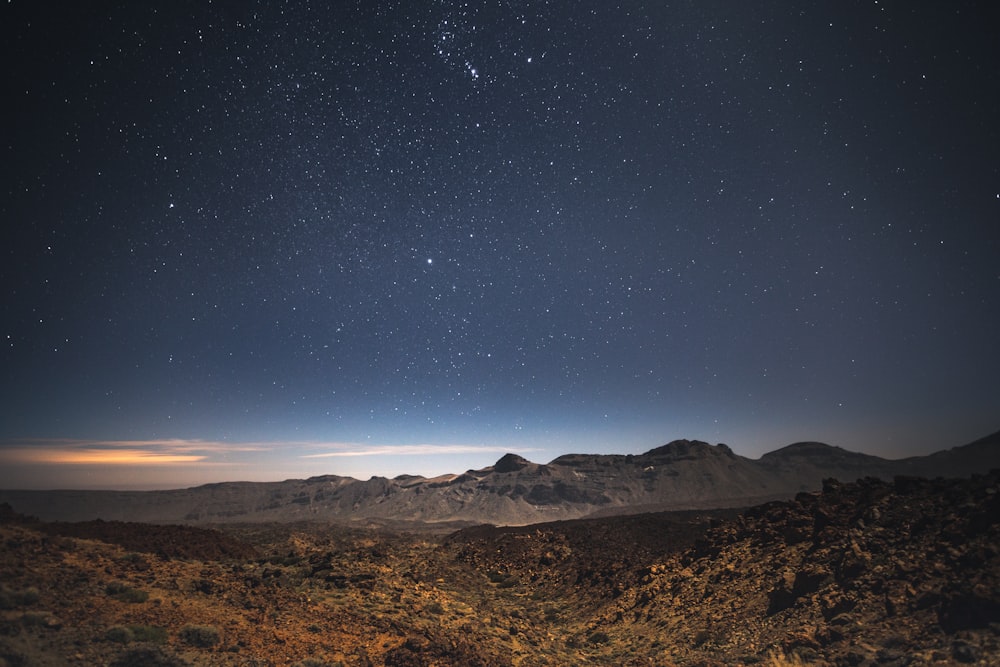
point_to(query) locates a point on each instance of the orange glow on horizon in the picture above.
(98, 457)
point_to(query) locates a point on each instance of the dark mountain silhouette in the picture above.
(684, 474)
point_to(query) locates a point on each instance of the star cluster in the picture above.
(564, 226)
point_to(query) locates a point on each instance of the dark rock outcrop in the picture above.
(510, 463)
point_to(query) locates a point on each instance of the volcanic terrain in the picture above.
(905, 572)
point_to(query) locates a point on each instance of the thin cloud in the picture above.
(67, 451)
(108, 457)
(410, 450)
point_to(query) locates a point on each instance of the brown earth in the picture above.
(869, 573)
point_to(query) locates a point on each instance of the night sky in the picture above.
(260, 240)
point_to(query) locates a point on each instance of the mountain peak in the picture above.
(806, 447)
(814, 451)
(510, 463)
(688, 449)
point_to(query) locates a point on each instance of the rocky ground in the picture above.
(870, 573)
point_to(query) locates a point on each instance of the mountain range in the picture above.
(684, 474)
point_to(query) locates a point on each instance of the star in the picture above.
(634, 230)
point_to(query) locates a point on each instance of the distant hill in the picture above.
(684, 474)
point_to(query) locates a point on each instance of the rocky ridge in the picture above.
(683, 474)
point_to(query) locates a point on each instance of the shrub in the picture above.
(37, 618)
(701, 637)
(120, 591)
(136, 560)
(27, 596)
(119, 634)
(200, 636)
(778, 659)
(126, 634)
(147, 656)
(10, 599)
(599, 638)
(149, 633)
(133, 595)
(496, 576)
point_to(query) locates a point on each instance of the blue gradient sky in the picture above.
(269, 240)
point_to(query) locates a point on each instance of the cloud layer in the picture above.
(207, 452)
